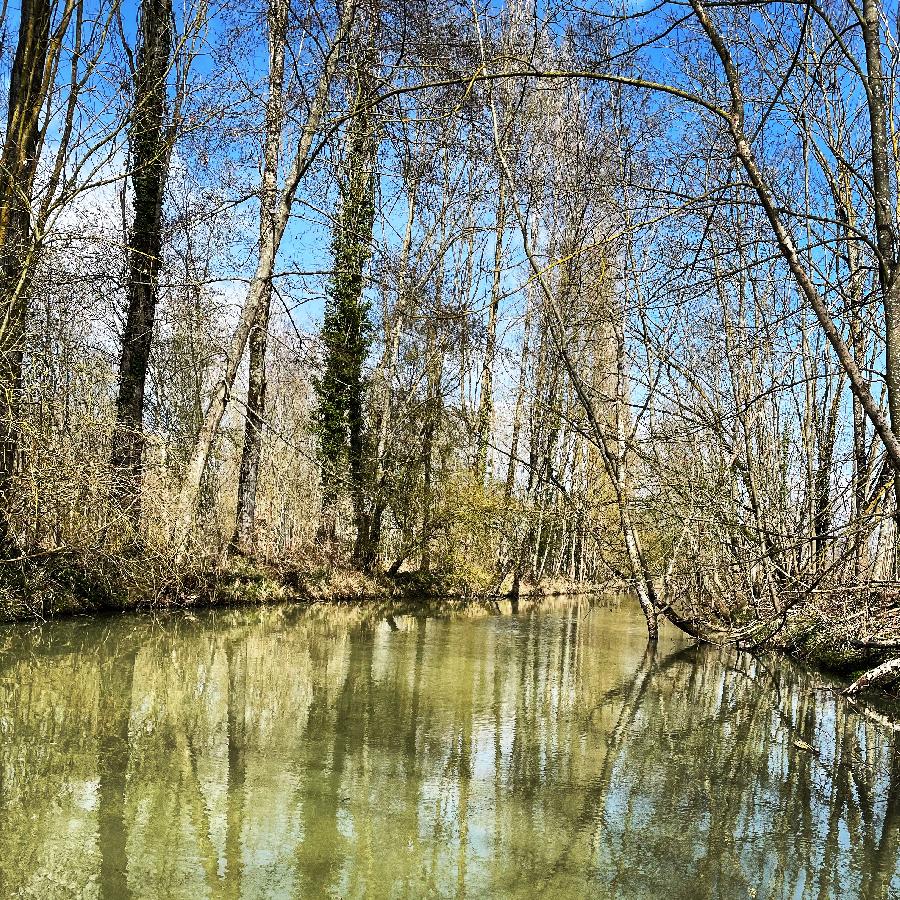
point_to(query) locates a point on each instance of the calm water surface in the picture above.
(330, 752)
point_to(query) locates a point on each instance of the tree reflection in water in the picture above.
(326, 751)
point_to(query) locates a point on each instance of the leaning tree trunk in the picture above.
(18, 166)
(248, 475)
(150, 147)
(787, 246)
(612, 452)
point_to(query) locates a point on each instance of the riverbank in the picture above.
(870, 660)
(65, 583)
(852, 632)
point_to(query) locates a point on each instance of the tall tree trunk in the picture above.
(845, 214)
(150, 151)
(434, 368)
(885, 232)
(826, 439)
(393, 328)
(427, 484)
(520, 400)
(364, 551)
(345, 329)
(485, 400)
(363, 153)
(18, 166)
(248, 476)
(613, 451)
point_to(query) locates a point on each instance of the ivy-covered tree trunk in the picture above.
(346, 329)
(150, 149)
(248, 475)
(18, 167)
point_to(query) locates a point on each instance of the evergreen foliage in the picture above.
(347, 329)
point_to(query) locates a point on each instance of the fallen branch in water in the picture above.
(885, 672)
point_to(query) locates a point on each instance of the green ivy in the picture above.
(347, 329)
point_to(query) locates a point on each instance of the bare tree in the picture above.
(259, 286)
(36, 55)
(256, 390)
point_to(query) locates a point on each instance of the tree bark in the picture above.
(433, 404)
(248, 475)
(884, 227)
(18, 167)
(887, 671)
(150, 149)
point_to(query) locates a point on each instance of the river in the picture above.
(330, 751)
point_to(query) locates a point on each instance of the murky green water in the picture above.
(327, 752)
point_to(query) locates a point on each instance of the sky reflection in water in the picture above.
(329, 752)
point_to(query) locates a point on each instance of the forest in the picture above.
(303, 299)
